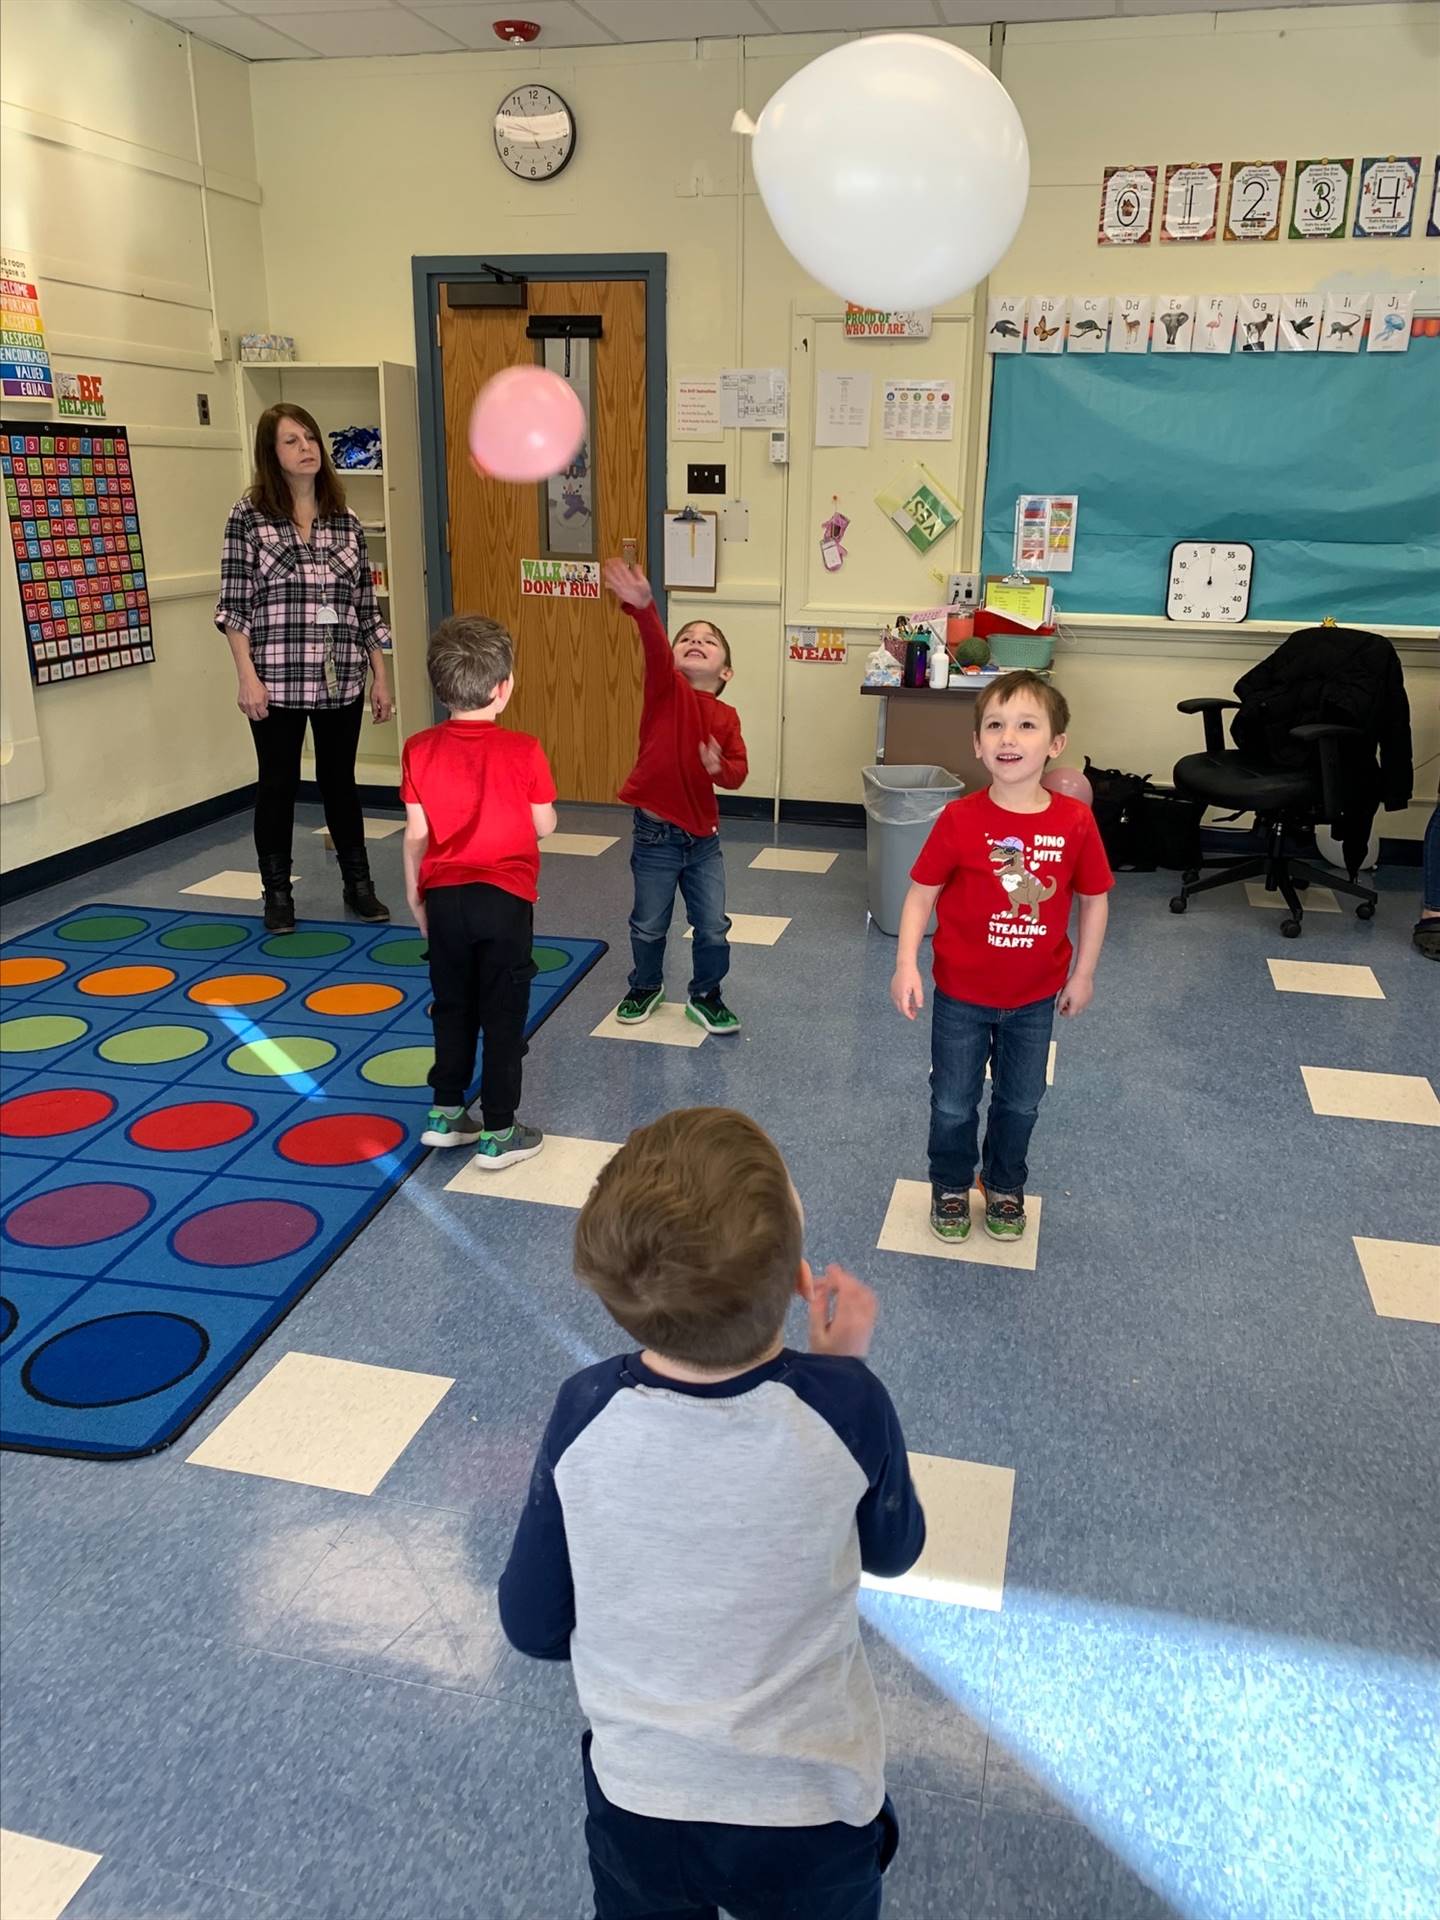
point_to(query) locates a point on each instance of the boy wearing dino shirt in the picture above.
(1000, 869)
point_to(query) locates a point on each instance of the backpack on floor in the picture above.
(1117, 809)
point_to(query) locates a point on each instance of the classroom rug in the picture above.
(196, 1117)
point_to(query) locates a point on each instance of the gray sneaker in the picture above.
(496, 1150)
(949, 1213)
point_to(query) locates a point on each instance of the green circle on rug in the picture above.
(151, 1046)
(204, 938)
(399, 953)
(549, 959)
(401, 1067)
(273, 1059)
(102, 926)
(37, 1032)
(305, 946)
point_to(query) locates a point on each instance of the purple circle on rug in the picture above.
(78, 1216)
(245, 1233)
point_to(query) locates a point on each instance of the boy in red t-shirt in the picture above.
(1000, 868)
(478, 801)
(689, 745)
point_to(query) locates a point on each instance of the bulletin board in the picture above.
(1331, 471)
(75, 532)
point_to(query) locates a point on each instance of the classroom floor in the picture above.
(1173, 1647)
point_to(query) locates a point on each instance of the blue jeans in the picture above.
(1016, 1043)
(662, 858)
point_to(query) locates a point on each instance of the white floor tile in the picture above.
(1403, 1277)
(324, 1423)
(1049, 1066)
(1313, 899)
(561, 1176)
(232, 884)
(587, 845)
(1406, 1097)
(752, 929)
(666, 1027)
(967, 1534)
(1325, 976)
(793, 860)
(39, 1879)
(907, 1230)
(374, 830)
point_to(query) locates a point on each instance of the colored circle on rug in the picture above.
(40, 1116)
(205, 938)
(305, 946)
(39, 1032)
(78, 1216)
(151, 1046)
(236, 989)
(117, 983)
(399, 1067)
(399, 953)
(191, 1126)
(96, 927)
(121, 1357)
(340, 1140)
(349, 1002)
(245, 1233)
(549, 959)
(9, 1317)
(26, 970)
(281, 1054)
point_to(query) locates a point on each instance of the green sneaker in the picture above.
(949, 1213)
(449, 1127)
(636, 1008)
(1005, 1215)
(496, 1150)
(713, 1015)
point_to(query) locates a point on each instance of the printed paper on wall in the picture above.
(1189, 209)
(1390, 320)
(1215, 322)
(1005, 323)
(1047, 323)
(1301, 315)
(1322, 199)
(1127, 206)
(1385, 204)
(1089, 328)
(1344, 322)
(1257, 321)
(1253, 209)
(1174, 328)
(1130, 327)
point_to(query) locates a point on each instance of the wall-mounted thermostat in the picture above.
(780, 448)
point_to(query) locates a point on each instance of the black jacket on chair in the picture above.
(1342, 675)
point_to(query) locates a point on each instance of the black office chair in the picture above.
(1286, 802)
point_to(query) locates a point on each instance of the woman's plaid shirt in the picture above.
(273, 587)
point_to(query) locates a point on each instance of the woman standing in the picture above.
(297, 605)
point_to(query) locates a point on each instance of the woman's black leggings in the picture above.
(278, 740)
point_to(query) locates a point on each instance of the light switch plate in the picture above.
(704, 479)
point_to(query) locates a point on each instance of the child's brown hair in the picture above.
(469, 656)
(1049, 698)
(692, 1238)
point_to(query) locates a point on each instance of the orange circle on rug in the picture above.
(236, 989)
(116, 983)
(25, 972)
(366, 996)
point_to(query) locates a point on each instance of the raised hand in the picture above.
(628, 584)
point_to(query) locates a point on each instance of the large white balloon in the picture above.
(895, 170)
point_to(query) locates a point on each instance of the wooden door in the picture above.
(578, 668)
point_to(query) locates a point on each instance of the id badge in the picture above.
(332, 678)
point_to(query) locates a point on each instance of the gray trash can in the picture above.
(901, 806)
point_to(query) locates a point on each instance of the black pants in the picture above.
(278, 740)
(481, 967)
(689, 1869)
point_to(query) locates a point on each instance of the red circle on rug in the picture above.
(340, 1140)
(245, 1233)
(37, 1116)
(190, 1126)
(77, 1216)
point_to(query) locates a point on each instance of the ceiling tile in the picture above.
(678, 19)
(1196, 6)
(252, 38)
(560, 24)
(360, 35)
(847, 16)
(183, 10)
(971, 13)
(278, 10)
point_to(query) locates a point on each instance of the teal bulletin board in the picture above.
(1329, 464)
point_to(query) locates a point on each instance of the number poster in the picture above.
(1322, 199)
(1256, 187)
(1191, 205)
(1127, 206)
(1385, 203)
(75, 529)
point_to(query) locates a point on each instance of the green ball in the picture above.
(973, 653)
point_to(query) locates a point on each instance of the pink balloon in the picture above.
(526, 424)
(1069, 780)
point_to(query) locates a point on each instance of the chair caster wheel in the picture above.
(1290, 929)
(1190, 876)
(1365, 910)
(1179, 903)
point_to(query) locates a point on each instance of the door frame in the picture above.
(430, 272)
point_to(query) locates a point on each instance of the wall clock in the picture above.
(1210, 580)
(534, 133)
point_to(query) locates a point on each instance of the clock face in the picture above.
(534, 133)
(1210, 580)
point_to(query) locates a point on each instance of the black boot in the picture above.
(360, 895)
(279, 900)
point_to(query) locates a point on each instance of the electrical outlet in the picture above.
(704, 479)
(202, 408)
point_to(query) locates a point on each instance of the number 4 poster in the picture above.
(1385, 203)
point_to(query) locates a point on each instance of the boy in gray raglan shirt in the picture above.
(699, 1517)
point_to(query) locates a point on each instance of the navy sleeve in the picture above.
(537, 1592)
(889, 1517)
